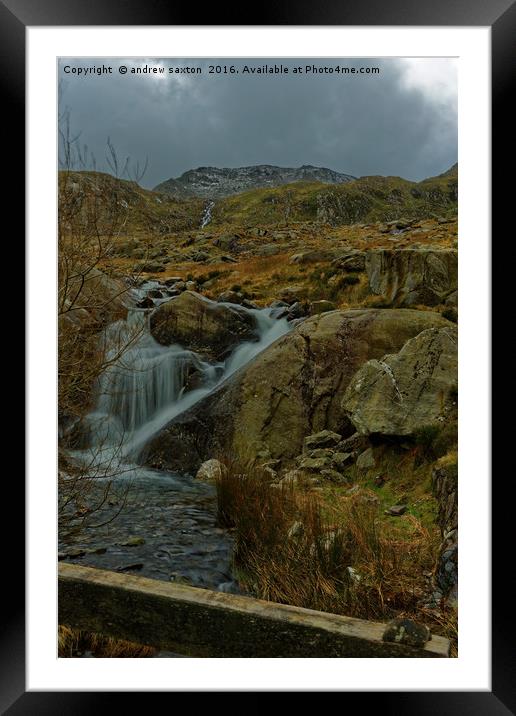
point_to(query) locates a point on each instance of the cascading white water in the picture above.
(148, 384)
(143, 388)
(206, 217)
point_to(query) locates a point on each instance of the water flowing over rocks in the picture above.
(202, 325)
(293, 389)
(404, 392)
(406, 277)
(165, 522)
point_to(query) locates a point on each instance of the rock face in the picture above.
(406, 391)
(353, 260)
(216, 182)
(202, 325)
(444, 486)
(291, 390)
(406, 277)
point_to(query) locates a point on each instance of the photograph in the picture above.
(257, 395)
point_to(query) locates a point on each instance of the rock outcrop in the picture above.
(199, 324)
(403, 392)
(444, 486)
(291, 390)
(407, 277)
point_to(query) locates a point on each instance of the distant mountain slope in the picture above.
(215, 182)
(368, 199)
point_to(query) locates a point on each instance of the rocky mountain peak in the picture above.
(217, 182)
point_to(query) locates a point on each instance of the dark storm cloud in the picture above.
(401, 122)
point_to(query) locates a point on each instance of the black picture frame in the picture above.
(500, 16)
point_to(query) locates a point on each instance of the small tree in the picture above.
(91, 215)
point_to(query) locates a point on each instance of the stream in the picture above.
(154, 523)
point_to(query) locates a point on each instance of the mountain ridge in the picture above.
(219, 182)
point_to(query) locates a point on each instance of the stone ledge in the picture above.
(204, 623)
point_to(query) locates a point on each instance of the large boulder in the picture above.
(406, 391)
(202, 325)
(292, 389)
(407, 277)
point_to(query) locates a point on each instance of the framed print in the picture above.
(269, 247)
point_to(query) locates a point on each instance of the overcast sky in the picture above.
(402, 121)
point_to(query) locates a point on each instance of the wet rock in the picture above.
(132, 542)
(296, 310)
(145, 302)
(154, 293)
(246, 303)
(202, 325)
(279, 313)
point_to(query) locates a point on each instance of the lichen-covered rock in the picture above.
(210, 471)
(366, 459)
(406, 391)
(292, 389)
(406, 277)
(202, 325)
(323, 439)
(321, 307)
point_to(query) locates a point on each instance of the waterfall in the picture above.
(146, 384)
(206, 217)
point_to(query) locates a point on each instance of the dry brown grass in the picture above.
(294, 547)
(72, 643)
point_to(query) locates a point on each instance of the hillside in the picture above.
(367, 199)
(141, 212)
(266, 239)
(215, 182)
